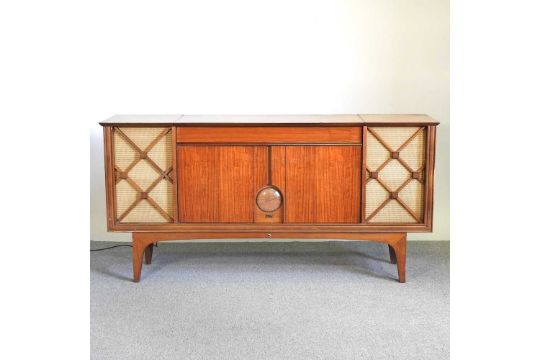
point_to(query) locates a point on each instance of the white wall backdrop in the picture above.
(270, 57)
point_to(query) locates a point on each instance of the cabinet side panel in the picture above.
(216, 183)
(323, 184)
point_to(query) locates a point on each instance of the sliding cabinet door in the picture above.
(323, 184)
(217, 183)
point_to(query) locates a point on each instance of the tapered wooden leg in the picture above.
(148, 254)
(138, 250)
(393, 259)
(400, 250)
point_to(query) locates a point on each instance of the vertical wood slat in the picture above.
(279, 180)
(274, 167)
(261, 166)
(174, 175)
(430, 172)
(109, 176)
(363, 175)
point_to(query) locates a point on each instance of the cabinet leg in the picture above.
(148, 254)
(138, 250)
(393, 259)
(399, 247)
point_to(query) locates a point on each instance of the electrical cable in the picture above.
(115, 246)
(110, 247)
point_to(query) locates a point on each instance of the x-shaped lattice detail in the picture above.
(143, 194)
(394, 155)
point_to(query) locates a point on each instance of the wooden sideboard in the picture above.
(348, 177)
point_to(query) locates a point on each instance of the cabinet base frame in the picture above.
(143, 243)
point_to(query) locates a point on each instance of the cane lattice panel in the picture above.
(143, 174)
(395, 174)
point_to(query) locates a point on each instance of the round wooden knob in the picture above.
(269, 199)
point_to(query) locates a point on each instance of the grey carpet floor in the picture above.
(295, 300)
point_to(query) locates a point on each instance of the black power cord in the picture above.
(115, 246)
(110, 247)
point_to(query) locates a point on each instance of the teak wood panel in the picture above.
(216, 184)
(269, 135)
(323, 184)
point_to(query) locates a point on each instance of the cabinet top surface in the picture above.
(368, 119)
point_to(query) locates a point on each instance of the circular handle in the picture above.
(269, 199)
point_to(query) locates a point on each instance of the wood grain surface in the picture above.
(323, 184)
(216, 183)
(268, 135)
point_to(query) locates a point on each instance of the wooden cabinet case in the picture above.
(350, 177)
